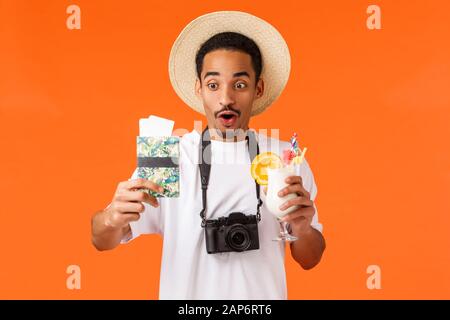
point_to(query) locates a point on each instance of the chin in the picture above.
(223, 128)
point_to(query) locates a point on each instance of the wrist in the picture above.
(302, 231)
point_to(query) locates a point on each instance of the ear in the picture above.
(259, 92)
(198, 88)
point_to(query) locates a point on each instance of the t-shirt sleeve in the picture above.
(310, 185)
(150, 220)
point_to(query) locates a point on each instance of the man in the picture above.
(241, 66)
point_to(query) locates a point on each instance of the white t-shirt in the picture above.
(187, 270)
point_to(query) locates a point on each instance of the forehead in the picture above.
(227, 61)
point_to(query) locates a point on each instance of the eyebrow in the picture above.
(235, 75)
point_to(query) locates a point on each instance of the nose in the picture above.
(226, 97)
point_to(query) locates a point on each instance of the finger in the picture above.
(294, 188)
(305, 213)
(297, 201)
(124, 218)
(141, 184)
(294, 179)
(129, 216)
(137, 196)
(118, 219)
(128, 207)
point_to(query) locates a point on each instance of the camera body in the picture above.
(237, 232)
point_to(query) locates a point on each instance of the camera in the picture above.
(237, 232)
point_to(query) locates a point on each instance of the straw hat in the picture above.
(274, 51)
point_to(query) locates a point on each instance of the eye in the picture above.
(241, 85)
(212, 86)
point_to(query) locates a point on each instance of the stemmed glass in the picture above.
(276, 182)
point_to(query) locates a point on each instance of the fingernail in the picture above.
(281, 193)
(161, 190)
(282, 207)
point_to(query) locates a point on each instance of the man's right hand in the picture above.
(127, 203)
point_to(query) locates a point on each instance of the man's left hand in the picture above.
(300, 219)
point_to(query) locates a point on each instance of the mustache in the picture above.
(227, 108)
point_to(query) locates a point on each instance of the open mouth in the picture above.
(228, 118)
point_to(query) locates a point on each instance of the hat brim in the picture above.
(274, 52)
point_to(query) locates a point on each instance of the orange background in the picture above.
(372, 107)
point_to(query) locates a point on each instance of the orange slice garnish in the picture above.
(261, 163)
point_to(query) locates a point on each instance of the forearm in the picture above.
(308, 249)
(105, 237)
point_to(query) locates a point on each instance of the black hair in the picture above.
(230, 41)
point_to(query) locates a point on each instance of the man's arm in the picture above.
(111, 225)
(105, 236)
(309, 247)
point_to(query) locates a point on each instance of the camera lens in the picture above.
(238, 238)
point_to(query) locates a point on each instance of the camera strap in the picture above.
(205, 167)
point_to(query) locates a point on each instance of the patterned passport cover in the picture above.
(158, 162)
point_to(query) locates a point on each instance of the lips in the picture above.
(227, 118)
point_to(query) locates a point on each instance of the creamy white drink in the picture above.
(276, 182)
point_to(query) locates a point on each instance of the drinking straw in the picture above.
(302, 156)
(294, 145)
